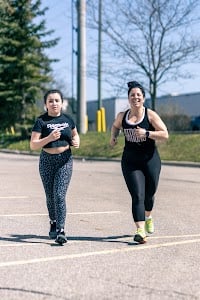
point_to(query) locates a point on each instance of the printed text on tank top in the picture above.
(129, 133)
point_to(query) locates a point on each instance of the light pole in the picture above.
(81, 67)
(99, 58)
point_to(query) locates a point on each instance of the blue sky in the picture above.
(59, 18)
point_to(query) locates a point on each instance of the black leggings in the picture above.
(56, 171)
(142, 180)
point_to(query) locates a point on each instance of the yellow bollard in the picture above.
(12, 130)
(103, 119)
(86, 123)
(98, 120)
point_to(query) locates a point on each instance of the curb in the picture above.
(83, 158)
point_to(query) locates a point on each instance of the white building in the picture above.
(187, 104)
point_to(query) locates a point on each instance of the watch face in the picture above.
(147, 133)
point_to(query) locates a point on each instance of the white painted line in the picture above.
(96, 212)
(75, 213)
(24, 215)
(14, 197)
(21, 244)
(95, 253)
(39, 243)
(174, 236)
(157, 237)
(122, 239)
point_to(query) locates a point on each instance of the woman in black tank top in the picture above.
(140, 162)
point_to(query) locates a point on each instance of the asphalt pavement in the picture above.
(100, 260)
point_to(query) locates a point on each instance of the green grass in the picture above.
(179, 147)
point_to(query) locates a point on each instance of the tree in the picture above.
(24, 67)
(148, 40)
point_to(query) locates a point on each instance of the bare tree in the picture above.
(148, 40)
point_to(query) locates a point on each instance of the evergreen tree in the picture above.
(24, 67)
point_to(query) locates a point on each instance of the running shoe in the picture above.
(61, 238)
(140, 236)
(149, 226)
(52, 231)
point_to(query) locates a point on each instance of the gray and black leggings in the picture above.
(56, 171)
(141, 178)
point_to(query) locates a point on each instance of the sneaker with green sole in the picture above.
(140, 236)
(149, 226)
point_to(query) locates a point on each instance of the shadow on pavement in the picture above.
(19, 238)
(110, 239)
(36, 239)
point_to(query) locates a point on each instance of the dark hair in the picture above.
(135, 84)
(52, 92)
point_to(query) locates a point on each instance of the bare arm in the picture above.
(37, 143)
(160, 133)
(75, 138)
(116, 127)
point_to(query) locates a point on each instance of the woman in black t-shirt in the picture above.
(54, 133)
(140, 163)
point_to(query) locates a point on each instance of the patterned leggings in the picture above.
(55, 172)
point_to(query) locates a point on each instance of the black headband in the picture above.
(135, 84)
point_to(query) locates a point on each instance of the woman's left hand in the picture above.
(75, 138)
(140, 132)
(76, 141)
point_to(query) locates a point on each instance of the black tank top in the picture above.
(141, 148)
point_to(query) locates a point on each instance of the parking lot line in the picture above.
(14, 197)
(23, 244)
(71, 241)
(96, 253)
(72, 213)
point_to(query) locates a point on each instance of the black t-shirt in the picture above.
(45, 124)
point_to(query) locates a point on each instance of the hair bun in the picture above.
(135, 84)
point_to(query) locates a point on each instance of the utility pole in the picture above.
(81, 67)
(101, 113)
(99, 58)
(74, 108)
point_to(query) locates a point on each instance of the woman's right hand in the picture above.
(54, 135)
(113, 141)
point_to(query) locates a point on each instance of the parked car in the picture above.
(195, 123)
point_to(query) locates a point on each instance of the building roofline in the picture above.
(178, 95)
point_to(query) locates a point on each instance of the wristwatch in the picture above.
(147, 133)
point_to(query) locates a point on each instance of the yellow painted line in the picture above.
(75, 213)
(95, 253)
